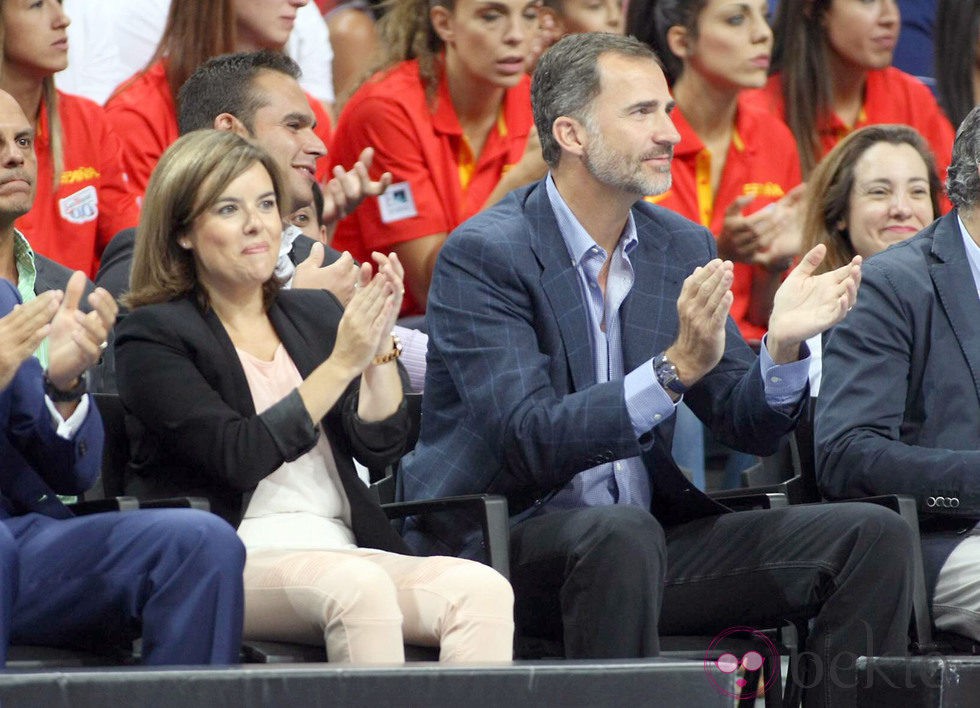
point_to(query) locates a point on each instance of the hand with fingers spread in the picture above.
(340, 277)
(807, 304)
(702, 310)
(77, 339)
(21, 332)
(348, 188)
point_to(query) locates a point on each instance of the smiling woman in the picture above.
(258, 398)
(876, 187)
(82, 198)
(449, 115)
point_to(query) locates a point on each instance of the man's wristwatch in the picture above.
(666, 373)
(396, 351)
(58, 395)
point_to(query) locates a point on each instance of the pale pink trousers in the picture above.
(365, 604)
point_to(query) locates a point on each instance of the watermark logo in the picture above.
(740, 648)
(744, 651)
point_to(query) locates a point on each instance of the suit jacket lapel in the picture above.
(648, 317)
(562, 287)
(299, 350)
(237, 388)
(950, 274)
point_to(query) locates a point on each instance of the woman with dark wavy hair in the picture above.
(833, 74)
(956, 36)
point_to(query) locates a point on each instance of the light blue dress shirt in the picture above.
(627, 481)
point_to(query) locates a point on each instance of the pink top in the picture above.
(302, 505)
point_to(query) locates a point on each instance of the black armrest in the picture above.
(177, 503)
(493, 518)
(747, 499)
(100, 506)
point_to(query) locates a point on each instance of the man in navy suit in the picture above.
(565, 324)
(174, 576)
(899, 407)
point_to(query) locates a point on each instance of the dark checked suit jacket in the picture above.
(511, 404)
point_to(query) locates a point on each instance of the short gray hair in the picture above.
(566, 80)
(962, 178)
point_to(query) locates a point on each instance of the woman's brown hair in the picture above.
(196, 30)
(405, 32)
(188, 180)
(799, 55)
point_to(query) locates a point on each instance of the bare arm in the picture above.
(418, 257)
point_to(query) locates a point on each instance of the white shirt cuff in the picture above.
(67, 428)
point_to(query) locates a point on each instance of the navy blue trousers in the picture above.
(173, 576)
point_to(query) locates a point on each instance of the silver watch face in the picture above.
(666, 374)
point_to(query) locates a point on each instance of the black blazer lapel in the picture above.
(236, 389)
(955, 287)
(562, 287)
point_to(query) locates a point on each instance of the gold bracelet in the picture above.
(394, 353)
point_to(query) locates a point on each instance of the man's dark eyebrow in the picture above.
(652, 105)
(301, 118)
(26, 133)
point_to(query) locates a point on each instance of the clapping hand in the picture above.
(22, 329)
(764, 237)
(807, 304)
(702, 310)
(365, 329)
(78, 339)
(340, 277)
(348, 188)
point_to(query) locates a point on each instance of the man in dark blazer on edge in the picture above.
(553, 373)
(173, 576)
(899, 406)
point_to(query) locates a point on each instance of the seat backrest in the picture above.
(115, 452)
(807, 461)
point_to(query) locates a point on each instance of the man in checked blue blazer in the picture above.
(553, 371)
(173, 576)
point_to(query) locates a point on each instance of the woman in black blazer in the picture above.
(224, 375)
